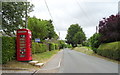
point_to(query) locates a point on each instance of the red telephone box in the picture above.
(24, 52)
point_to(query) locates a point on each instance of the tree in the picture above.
(79, 38)
(51, 32)
(109, 28)
(38, 28)
(75, 35)
(13, 15)
(42, 29)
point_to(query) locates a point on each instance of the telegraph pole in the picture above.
(96, 29)
(59, 35)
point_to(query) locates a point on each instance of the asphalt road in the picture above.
(76, 62)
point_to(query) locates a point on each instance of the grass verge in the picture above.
(84, 50)
(41, 57)
(88, 51)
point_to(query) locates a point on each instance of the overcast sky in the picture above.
(87, 13)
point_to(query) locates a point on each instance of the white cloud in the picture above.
(86, 13)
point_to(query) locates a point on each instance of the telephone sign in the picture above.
(24, 52)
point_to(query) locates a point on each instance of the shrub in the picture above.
(51, 46)
(95, 41)
(110, 50)
(56, 46)
(8, 49)
(69, 46)
(38, 48)
(62, 44)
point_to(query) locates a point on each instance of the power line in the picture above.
(83, 11)
(48, 9)
(51, 16)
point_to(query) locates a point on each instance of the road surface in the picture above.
(70, 61)
(76, 62)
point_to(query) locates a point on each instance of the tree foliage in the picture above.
(38, 28)
(51, 32)
(79, 38)
(41, 28)
(95, 41)
(62, 44)
(13, 16)
(75, 35)
(110, 29)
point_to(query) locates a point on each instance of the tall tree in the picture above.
(41, 28)
(50, 28)
(75, 35)
(13, 16)
(79, 38)
(38, 28)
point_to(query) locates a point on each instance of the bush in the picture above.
(8, 49)
(56, 46)
(38, 48)
(95, 42)
(69, 46)
(62, 44)
(110, 50)
(51, 46)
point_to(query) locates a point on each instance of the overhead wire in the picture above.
(48, 9)
(83, 11)
(67, 14)
(51, 16)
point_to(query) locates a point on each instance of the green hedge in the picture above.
(51, 46)
(38, 48)
(94, 42)
(8, 49)
(70, 46)
(56, 47)
(110, 50)
(62, 44)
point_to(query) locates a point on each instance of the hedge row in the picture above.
(8, 49)
(110, 50)
(38, 48)
(53, 46)
(56, 46)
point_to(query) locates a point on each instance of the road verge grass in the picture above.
(84, 50)
(41, 57)
(88, 51)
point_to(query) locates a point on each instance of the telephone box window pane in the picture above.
(22, 44)
(22, 41)
(22, 47)
(22, 55)
(22, 52)
(22, 36)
